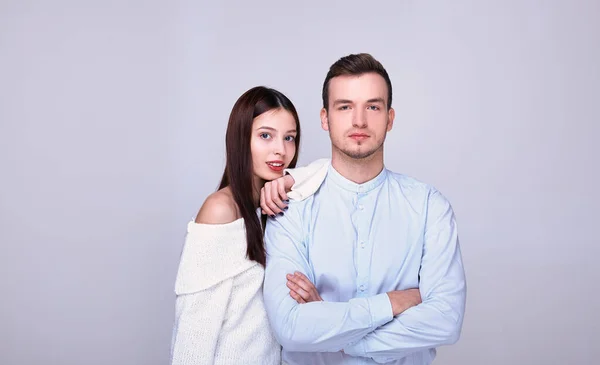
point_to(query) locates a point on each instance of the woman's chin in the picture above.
(270, 175)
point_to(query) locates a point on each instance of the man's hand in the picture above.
(403, 299)
(301, 289)
(273, 195)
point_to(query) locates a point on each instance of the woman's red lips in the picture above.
(276, 165)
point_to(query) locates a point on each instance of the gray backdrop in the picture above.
(113, 117)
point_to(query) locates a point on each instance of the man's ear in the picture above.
(324, 119)
(391, 116)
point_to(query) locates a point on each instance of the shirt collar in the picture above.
(351, 186)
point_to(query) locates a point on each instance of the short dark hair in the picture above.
(355, 65)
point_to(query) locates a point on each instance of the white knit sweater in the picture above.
(220, 315)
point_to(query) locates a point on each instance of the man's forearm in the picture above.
(326, 326)
(401, 300)
(438, 320)
(431, 324)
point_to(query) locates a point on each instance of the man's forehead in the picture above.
(363, 80)
(365, 86)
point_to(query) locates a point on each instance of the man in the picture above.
(368, 239)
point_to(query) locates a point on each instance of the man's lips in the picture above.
(359, 136)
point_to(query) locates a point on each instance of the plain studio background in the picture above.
(113, 117)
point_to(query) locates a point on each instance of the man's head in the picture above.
(357, 112)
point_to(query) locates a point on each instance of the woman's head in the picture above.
(262, 138)
(273, 143)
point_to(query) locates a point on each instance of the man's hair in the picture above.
(356, 65)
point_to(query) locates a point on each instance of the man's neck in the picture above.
(357, 170)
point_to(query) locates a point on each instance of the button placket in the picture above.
(363, 254)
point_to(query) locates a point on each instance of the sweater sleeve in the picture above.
(198, 322)
(212, 257)
(308, 179)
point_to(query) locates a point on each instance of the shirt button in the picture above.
(361, 207)
(362, 244)
(362, 288)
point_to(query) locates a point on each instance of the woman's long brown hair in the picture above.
(239, 174)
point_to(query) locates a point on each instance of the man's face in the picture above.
(358, 119)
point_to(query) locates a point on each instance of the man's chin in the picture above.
(358, 154)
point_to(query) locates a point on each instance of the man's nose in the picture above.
(359, 119)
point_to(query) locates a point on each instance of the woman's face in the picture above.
(272, 143)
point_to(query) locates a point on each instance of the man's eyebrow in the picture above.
(345, 101)
(342, 101)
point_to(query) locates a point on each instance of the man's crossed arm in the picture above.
(385, 326)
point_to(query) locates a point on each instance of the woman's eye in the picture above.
(265, 135)
(290, 138)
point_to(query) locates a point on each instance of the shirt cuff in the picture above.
(380, 307)
(381, 312)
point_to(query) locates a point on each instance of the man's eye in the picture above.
(344, 107)
(374, 107)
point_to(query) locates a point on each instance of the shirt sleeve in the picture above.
(198, 322)
(308, 179)
(438, 319)
(315, 326)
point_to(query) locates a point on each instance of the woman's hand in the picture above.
(273, 195)
(301, 289)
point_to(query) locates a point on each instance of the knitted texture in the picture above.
(220, 315)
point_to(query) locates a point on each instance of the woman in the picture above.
(220, 317)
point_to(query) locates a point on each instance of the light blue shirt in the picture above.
(356, 242)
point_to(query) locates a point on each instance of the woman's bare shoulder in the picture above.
(218, 208)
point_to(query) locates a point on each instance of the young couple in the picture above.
(360, 266)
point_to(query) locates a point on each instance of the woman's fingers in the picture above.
(263, 203)
(281, 190)
(278, 194)
(272, 197)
